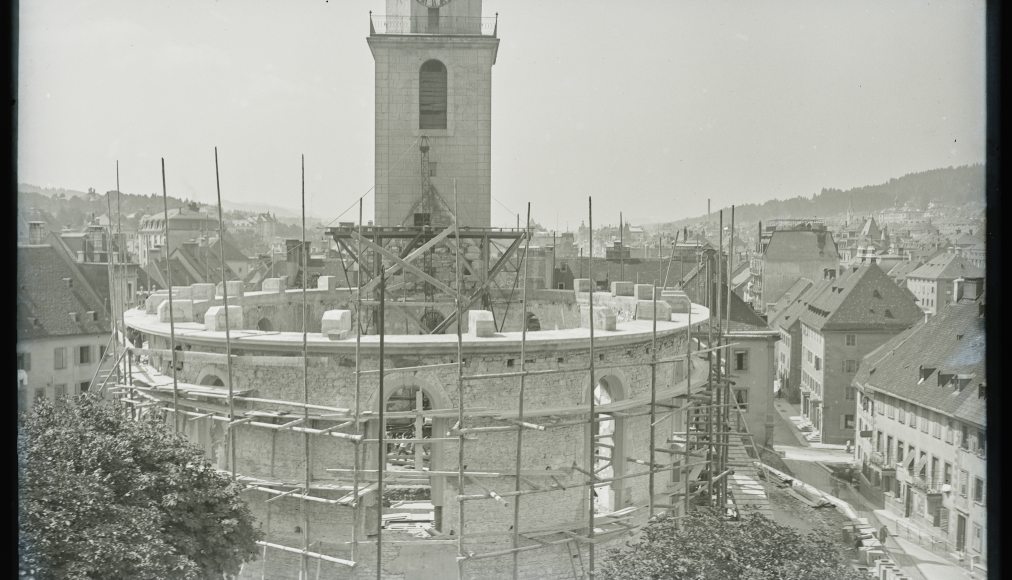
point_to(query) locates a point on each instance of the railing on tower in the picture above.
(380, 25)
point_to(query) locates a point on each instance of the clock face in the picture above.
(433, 3)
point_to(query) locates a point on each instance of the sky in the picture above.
(650, 107)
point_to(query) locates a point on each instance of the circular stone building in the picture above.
(511, 410)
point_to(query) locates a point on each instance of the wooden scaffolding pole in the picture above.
(304, 252)
(172, 318)
(460, 389)
(593, 427)
(230, 430)
(520, 402)
(358, 394)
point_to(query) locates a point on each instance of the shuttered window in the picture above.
(432, 95)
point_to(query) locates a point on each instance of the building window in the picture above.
(83, 386)
(818, 364)
(901, 412)
(741, 397)
(936, 426)
(432, 95)
(84, 354)
(964, 440)
(101, 351)
(848, 421)
(24, 361)
(950, 432)
(899, 451)
(947, 474)
(878, 441)
(432, 169)
(60, 358)
(60, 394)
(978, 490)
(964, 479)
(978, 535)
(891, 409)
(851, 340)
(980, 443)
(741, 360)
(850, 366)
(40, 394)
(851, 393)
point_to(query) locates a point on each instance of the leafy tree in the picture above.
(708, 547)
(104, 496)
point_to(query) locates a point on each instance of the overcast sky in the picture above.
(649, 106)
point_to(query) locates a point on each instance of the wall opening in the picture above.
(533, 324)
(407, 450)
(432, 95)
(265, 325)
(608, 448)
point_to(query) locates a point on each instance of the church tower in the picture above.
(433, 111)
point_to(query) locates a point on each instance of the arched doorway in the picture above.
(609, 443)
(265, 325)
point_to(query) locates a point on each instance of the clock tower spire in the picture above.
(434, 92)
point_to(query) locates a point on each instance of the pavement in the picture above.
(808, 462)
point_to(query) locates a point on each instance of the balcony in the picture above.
(382, 25)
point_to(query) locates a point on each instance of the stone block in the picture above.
(604, 317)
(581, 284)
(181, 292)
(643, 291)
(873, 554)
(645, 310)
(677, 300)
(152, 302)
(336, 324)
(622, 288)
(202, 291)
(182, 310)
(214, 318)
(235, 289)
(327, 283)
(480, 323)
(276, 285)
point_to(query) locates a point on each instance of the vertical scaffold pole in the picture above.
(653, 392)
(381, 455)
(719, 410)
(460, 390)
(230, 430)
(520, 404)
(172, 318)
(305, 379)
(593, 427)
(357, 448)
(688, 399)
(109, 259)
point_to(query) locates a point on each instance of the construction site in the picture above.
(431, 413)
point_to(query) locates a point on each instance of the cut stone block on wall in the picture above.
(327, 283)
(677, 300)
(644, 291)
(480, 323)
(336, 324)
(151, 302)
(278, 285)
(604, 317)
(181, 292)
(235, 289)
(214, 318)
(202, 291)
(622, 288)
(581, 285)
(182, 311)
(645, 310)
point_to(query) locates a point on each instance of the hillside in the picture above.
(952, 186)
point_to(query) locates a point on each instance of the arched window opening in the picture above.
(431, 319)
(608, 453)
(406, 427)
(265, 325)
(432, 95)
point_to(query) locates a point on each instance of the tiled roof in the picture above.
(790, 296)
(789, 309)
(864, 298)
(801, 245)
(949, 343)
(947, 266)
(46, 298)
(900, 271)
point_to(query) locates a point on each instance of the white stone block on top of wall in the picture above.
(326, 283)
(336, 324)
(581, 285)
(622, 288)
(677, 300)
(235, 289)
(604, 317)
(645, 310)
(480, 323)
(214, 318)
(181, 292)
(182, 310)
(643, 291)
(152, 302)
(277, 285)
(202, 291)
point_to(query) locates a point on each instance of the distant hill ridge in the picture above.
(954, 186)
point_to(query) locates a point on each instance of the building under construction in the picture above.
(429, 414)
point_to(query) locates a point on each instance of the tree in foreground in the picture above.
(104, 496)
(708, 547)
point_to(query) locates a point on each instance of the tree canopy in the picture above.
(104, 496)
(708, 547)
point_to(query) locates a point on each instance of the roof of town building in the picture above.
(900, 271)
(785, 312)
(925, 363)
(49, 289)
(862, 299)
(801, 245)
(947, 266)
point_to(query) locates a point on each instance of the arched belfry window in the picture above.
(432, 95)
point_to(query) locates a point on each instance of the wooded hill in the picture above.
(952, 186)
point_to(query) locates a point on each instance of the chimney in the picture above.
(36, 233)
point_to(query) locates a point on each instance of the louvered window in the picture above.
(432, 96)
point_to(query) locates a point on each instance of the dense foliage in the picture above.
(713, 548)
(103, 496)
